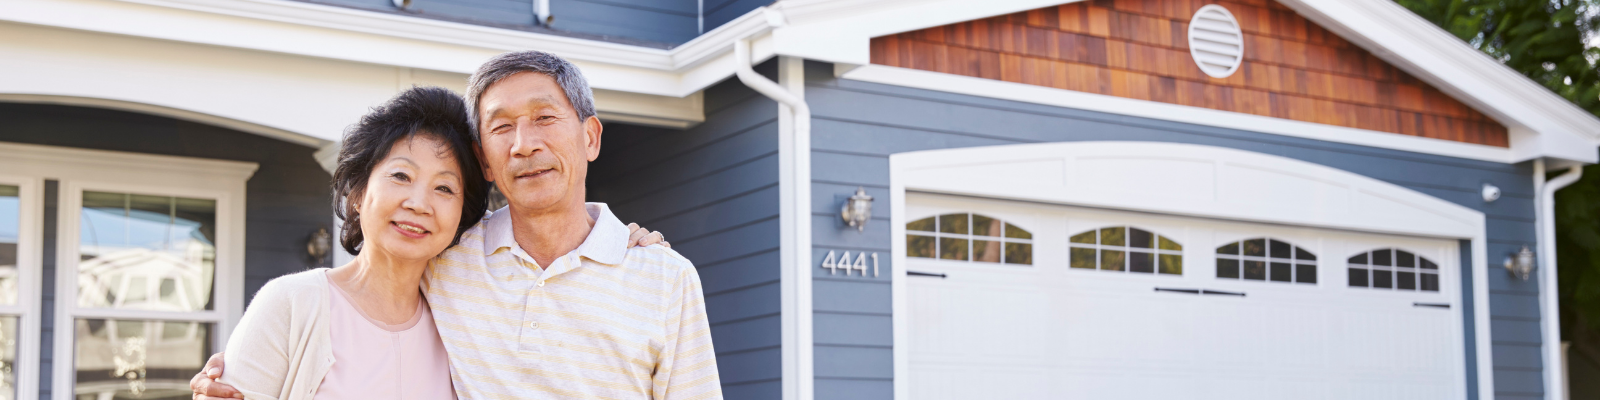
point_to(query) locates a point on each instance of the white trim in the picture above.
(80, 169)
(30, 271)
(1551, 125)
(1541, 123)
(338, 33)
(1388, 208)
(794, 215)
(1549, 299)
(990, 88)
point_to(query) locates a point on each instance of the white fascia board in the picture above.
(841, 31)
(300, 28)
(981, 87)
(1552, 126)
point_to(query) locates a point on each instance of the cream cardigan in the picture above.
(282, 348)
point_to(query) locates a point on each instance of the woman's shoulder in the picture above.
(300, 288)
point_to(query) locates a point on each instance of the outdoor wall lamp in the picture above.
(857, 210)
(319, 244)
(1520, 263)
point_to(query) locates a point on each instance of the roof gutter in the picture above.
(1555, 381)
(794, 216)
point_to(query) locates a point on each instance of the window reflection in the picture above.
(1393, 269)
(1266, 259)
(1122, 248)
(138, 359)
(10, 234)
(146, 252)
(969, 237)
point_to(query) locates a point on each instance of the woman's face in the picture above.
(412, 203)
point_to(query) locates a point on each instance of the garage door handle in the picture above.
(1434, 305)
(915, 273)
(1222, 293)
(1189, 291)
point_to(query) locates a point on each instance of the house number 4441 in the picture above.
(834, 262)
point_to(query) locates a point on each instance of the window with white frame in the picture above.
(969, 237)
(145, 311)
(19, 269)
(1126, 249)
(149, 271)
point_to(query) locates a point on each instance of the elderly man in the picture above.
(544, 299)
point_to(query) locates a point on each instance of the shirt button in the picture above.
(541, 283)
(533, 324)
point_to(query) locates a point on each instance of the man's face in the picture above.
(535, 148)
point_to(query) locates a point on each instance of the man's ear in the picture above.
(591, 136)
(483, 163)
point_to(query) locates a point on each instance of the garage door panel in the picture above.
(979, 382)
(1092, 333)
(1124, 331)
(958, 322)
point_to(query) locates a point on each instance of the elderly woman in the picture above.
(407, 185)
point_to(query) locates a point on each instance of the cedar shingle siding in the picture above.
(1138, 49)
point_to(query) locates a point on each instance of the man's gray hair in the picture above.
(508, 64)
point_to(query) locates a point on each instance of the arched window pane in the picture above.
(1125, 249)
(1393, 269)
(969, 237)
(1266, 259)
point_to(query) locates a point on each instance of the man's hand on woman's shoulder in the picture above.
(205, 385)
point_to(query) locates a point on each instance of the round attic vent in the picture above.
(1215, 41)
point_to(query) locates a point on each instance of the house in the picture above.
(1243, 199)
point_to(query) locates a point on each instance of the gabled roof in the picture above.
(1541, 123)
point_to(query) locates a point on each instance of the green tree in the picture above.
(1545, 40)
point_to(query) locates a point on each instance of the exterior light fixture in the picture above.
(319, 244)
(857, 210)
(1520, 263)
(402, 4)
(1490, 193)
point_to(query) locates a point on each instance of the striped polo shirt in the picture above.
(605, 321)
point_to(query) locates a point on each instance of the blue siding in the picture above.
(285, 200)
(718, 12)
(666, 21)
(713, 190)
(657, 23)
(857, 125)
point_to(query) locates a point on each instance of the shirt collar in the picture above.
(607, 242)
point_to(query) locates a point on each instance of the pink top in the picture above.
(374, 360)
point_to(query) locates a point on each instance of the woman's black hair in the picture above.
(432, 111)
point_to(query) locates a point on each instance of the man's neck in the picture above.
(549, 234)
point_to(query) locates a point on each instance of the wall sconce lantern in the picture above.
(857, 210)
(1520, 263)
(319, 245)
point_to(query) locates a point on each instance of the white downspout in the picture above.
(1555, 382)
(794, 216)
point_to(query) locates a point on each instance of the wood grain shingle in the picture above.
(1138, 49)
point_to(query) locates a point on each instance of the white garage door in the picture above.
(1042, 301)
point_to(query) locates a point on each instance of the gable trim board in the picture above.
(1403, 211)
(1049, 96)
(1540, 123)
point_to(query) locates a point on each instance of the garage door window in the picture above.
(1266, 259)
(1394, 269)
(1127, 249)
(969, 237)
